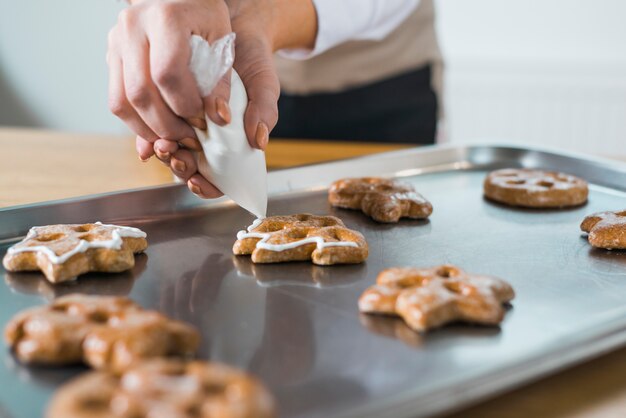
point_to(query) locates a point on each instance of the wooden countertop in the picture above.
(43, 165)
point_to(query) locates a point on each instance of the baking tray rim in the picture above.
(463, 149)
(472, 389)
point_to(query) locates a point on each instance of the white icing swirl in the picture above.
(115, 243)
(265, 236)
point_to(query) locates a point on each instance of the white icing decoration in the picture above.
(115, 243)
(264, 236)
(255, 223)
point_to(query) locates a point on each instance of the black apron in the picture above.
(401, 109)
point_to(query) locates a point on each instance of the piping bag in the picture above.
(227, 160)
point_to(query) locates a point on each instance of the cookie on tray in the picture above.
(104, 332)
(384, 200)
(606, 229)
(535, 188)
(63, 252)
(324, 240)
(164, 388)
(432, 297)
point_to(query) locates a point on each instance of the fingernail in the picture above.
(191, 143)
(195, 189)
(143, 160)
(199, 123)
(223, 110)
(179, 165)
(262, 135)
(162, 155)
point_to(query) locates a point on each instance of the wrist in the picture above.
(284, 24)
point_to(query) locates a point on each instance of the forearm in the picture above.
(296, 24)
(287, 24)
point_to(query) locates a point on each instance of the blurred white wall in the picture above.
(549, 72)
(545, 72)
(52, 64)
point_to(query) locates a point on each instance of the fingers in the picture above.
(118, 103)
(256, 68)
(216, 104)
(164, 149)
(262, 112)
(144, 148)
(183, 164)
(141, 91)
(201, 187)
(169, 62)
(192, 143)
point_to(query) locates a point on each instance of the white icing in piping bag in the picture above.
(228, 160)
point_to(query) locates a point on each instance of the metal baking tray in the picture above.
(297, 326)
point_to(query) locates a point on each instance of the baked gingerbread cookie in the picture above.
(63, 252)
(606, 229)
(535, 188)
(382, 199)
(104, 332)
(324, 240)
(432, 297)
(164, 388)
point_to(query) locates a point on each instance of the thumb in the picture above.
(256, 69)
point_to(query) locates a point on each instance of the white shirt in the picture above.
(340, 21)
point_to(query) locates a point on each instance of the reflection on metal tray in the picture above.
(297, 326)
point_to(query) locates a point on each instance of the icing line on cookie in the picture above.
(264, 236)
(115, 243)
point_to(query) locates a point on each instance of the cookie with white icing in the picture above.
(432, 297)
(324, 240)
(63, 252)
(535, 188)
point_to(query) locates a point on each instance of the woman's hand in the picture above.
(262, 27)
(150, 85)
